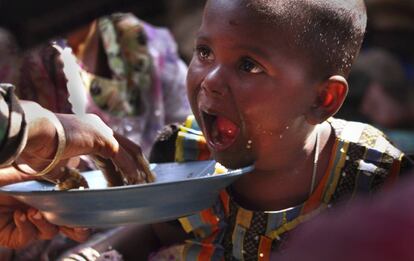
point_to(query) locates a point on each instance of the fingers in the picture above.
(121, 169)
(112, 175)
(25, 231)
(45, 229)
(129, 162)
(88, 134)
(106, 144)
(135, 151)
(59, 172)
(129, 167)
(77, 234)
(35, 226)
(111, 149)
(129, 145)
(145, 167)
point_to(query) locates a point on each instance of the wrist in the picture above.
(42, 142)
(42, 138)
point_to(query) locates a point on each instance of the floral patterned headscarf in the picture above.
(125, 44)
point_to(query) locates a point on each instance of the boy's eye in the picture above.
(249, 66)
(204, 53)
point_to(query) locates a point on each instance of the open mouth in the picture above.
(221, 132)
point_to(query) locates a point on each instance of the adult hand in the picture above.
(20, 225)
(113, 174)
(85, 134)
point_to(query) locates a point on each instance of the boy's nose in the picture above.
(214, 82)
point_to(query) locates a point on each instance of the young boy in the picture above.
(264, 81)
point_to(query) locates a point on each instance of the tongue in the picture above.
(226, 130)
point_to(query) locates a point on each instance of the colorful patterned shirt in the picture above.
(363, 161)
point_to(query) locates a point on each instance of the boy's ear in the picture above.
(330, 97)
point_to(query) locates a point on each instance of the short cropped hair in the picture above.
(329, 33)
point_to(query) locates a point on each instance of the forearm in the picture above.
(42, 136)
(23, 128)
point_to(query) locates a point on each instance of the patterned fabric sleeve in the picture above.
(180, 143)
(366, 162)
(42, 79)
(13, 131)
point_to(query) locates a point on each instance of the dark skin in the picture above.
(85, 134)
(20, 224)
(241, 74)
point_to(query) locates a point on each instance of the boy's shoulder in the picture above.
(365, 159)
(366, 137)
(362, 140)
(180, 142)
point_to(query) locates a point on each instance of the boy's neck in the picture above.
(288, 187)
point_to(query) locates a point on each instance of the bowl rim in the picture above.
(229, 174)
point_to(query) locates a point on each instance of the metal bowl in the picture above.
(179, 190)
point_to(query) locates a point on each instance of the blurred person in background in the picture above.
(388, 98)
(132, 75)
(391, 27)
(382, 95)
(385, 96)
(382, 80)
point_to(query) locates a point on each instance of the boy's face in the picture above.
(247, 90)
